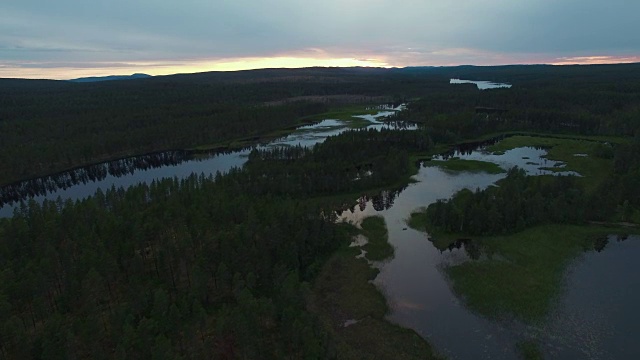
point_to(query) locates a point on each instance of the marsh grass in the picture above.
(467, 165)
(529, 350)
(593, 169)
(378, 247)
(527, 276)
(343, 291)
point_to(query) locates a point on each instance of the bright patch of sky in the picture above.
(71, 38)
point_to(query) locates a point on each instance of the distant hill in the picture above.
(111, 78)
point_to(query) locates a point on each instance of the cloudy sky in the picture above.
(71, 38)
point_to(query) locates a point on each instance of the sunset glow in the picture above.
(595, 60)
(128, 37)
(44, 71)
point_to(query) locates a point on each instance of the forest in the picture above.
(223, 265)
(50, 126)
(520, 201)
(181, 268)
(547, 99)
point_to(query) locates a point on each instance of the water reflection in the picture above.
(468, 148)
(82, 182)
(421, 298)
(601, 243)
(369, 205)
(532, 159)
(595, 316)
(482, 85)
(418, 292)
(92, 173)
(85, 181)
(472, 248)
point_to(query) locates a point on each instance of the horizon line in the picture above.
(116, 74)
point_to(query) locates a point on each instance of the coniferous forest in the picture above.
(181, 268)
(223, 266)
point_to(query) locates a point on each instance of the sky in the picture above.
(65, 39)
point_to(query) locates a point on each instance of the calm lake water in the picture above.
(482, 85)
(81, 183)
(421, 298)
(595, 319)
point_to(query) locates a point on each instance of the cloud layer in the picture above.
(78, 36)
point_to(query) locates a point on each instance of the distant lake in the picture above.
(482, 85)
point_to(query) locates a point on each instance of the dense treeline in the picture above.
(344, 163)
(175, 268)
(620, 192)
(38, 144)
(589, 100)
(16, 192)
(520, 201)
(41, 186)
(202, 267)
(49, 126)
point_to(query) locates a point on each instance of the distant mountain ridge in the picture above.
(111, 78)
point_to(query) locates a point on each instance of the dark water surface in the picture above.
(598, 316)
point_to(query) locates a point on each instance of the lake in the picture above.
(85, 181)
(597, 317)
(482, 85)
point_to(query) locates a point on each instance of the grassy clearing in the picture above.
(529, 350)
(363, 341)
(238, 144)
(345, 113)
(520, 141)
(348, 114)
(378, 247)
(593, 169)
(418, 220)
(610, 139)
(526, 277)
(342, 113)
(343, 291)
(467, 165)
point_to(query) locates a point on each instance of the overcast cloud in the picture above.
(80, 36)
